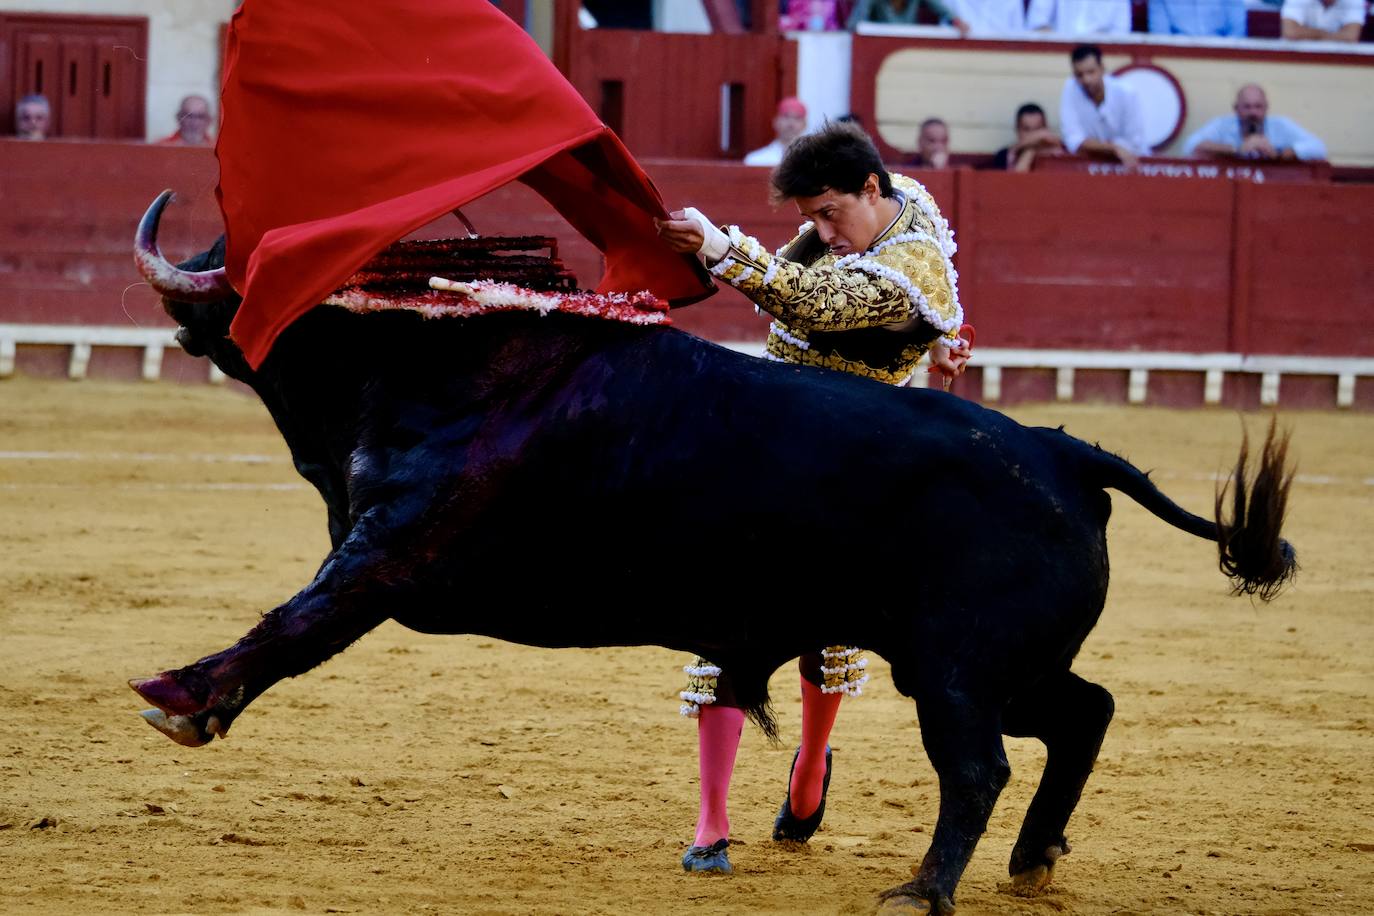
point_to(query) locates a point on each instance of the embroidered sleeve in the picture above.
(908, 276)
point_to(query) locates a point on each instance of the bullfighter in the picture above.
(866, 287)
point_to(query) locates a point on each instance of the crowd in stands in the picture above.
(1099, 116)
(33, 121)
(1300, 20)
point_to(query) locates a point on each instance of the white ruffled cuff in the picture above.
(714, 243)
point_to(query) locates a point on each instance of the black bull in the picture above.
(533, 478)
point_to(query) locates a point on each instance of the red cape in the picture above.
(349, 124)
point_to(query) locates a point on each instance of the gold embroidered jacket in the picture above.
(831, 311)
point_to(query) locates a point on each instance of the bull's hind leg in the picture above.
(353, 592)
(1070, 715)
(964, 741)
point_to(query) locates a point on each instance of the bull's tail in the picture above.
(1252, 554)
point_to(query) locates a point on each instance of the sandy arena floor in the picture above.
(142, 526)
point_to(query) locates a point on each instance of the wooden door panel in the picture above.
(91, 69)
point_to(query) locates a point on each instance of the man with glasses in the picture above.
(193, 123)
(31, 118)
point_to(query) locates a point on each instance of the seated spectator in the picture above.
(809, 15)
(1198, 17)
(1252, 134)
(903, 12)
(932, 145)
(616, 14)
(788, 124)
(193, 123)
(1099, 114)
(1033, 137)
(1080, 17)
(32, 116)
(991, 17)
(1322, 20)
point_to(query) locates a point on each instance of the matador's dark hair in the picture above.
(838, 157)
(1083, 52)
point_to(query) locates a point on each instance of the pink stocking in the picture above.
(818, 717)
(718, 733)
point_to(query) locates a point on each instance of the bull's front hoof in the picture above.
(167, 694)
(913, 898)
(188, 731)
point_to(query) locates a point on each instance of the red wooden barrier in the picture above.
(1305, 269)
(1046, 260)
(67, 215)
(1086, 262)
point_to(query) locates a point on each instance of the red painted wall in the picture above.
(1081, 262)
(1305, 269)
(1046, 260)
(67, 215)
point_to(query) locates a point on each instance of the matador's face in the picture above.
(848, 223)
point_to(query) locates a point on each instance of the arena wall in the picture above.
(1117, 287)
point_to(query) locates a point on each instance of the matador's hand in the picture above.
(682, 234)
(690, 232)
(950, 361)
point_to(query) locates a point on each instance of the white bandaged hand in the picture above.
(714, 243)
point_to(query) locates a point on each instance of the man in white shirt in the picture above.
(788, 124)
(992, 17)
(1099, 115)
(1080, 17)
(1322, 20)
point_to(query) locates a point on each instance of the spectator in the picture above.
(1033, 137)
(32, 116)
(1322, 20)
(618, 14)
(1198, 17)
(1252, 134)
(1099, 114)
(788, 124)
(809, 15)
(193, 123)
(932, 145)
(903, 12)
(1080, 17)
(991, 17)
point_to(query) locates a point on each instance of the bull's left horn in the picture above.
(164, 276)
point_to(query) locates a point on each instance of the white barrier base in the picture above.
(1214, 366)
(1140, 364)
(81, 338)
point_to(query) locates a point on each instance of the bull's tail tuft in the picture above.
(762, 715)
(1252, 555)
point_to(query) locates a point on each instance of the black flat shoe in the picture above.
(790, 827)
(709, 859)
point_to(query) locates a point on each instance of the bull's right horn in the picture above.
(164, 276)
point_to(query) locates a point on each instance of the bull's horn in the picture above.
(164, 276)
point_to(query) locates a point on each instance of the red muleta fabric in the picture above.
(348, 124)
